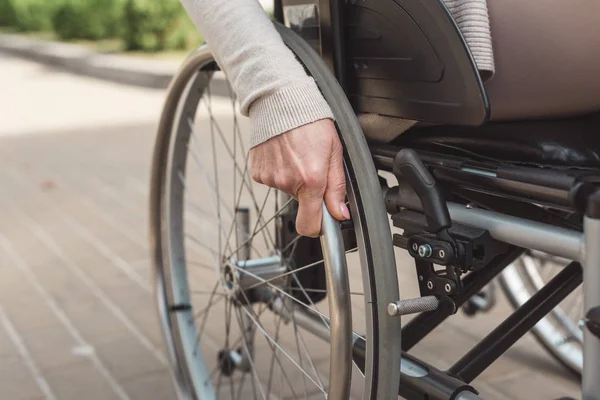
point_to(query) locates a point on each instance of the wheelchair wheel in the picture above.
(559, 331)
(242, 300)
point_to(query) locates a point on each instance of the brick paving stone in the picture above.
(156, 386)
(7, 348)
(126, 358)
(99, 326)
(28, 312)
(52, 347)
(146, 317)
(241, 390)
(16, 381)
(531, 385)
(53, 358)
(80, 382)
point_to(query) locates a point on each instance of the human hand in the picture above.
(306, 163)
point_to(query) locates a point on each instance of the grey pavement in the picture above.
(77, 318)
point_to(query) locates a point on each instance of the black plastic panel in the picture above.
(407, 58)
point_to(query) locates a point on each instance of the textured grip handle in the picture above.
(413, 306)
(408, 165)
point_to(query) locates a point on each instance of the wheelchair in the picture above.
(249, 309)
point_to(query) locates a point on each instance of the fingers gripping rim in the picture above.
(383, 351)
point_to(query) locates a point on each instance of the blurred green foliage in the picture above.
(156, 25)
(142, 25)
(33, 15)
(7, 14)
(88, 19)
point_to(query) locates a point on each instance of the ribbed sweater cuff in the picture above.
(287, 109)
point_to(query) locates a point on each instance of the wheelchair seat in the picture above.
(568, 143)
(546, 55)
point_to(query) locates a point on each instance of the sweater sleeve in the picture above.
(272, 86)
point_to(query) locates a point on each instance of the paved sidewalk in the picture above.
(77, 317)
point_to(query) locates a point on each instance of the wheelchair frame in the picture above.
(502, 195)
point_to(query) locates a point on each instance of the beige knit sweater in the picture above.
(272, 87)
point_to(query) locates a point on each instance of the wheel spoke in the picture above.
(216, 200)
(296, 332)
(321, 291)
(241, 386)
(200, 265)
(198, 161)
(294, 243)
(256, 231)
(203, 245)
(314, 306)
(235, 201)
(273, 349)
(250, 360)
(295, 270)
(259, 219)
(216, 172)
(237, 245)
(238, 197)
(212, 374)
(219, 381)
(287, 273)
(284, 293)
(204, 319)
(213, 302)
(278, 317)
(269, 338)
(246, 181)
(299, 335)
(228, 307)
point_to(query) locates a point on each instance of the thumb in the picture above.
(310, 214)
(335, 193)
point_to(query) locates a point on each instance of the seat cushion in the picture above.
(565, 143)
(547, 57)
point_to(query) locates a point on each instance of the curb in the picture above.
(79, 60)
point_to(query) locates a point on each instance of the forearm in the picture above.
(271, 85)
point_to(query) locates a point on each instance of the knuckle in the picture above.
(255, 175)
(266, 179)
(314, 175)
(283, 181)
(312, 182)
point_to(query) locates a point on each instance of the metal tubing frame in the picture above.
(520, 232)
(590, 386)
(517, 324)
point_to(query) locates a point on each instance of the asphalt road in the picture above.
(77, 318)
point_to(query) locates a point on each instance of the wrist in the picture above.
(286, 109)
